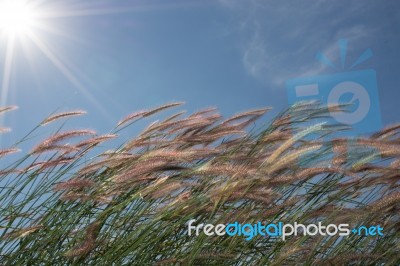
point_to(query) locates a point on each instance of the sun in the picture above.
(16, 17)
(28, 26)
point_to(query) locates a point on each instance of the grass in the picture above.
(131, 205)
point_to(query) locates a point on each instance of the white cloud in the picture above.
(279, 40)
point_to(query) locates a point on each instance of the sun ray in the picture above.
(91, 12)
(5, 85)
(62, 33)
(87, 12)
(7, 70)
(67, 73)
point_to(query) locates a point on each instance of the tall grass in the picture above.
(131, 205)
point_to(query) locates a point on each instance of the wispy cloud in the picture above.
(279, 40)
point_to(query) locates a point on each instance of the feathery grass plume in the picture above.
(160, 143)
(88, 244)
(182, 198)
(388, 201)
(214, 117)
(162, 108)
(140, 170)
(110, 153)
(340, 152)
(167, 189)
(160, 181)
(157, 124)
(11, 171)
(224, 170)
(75, 183)
(335, 108)
(150, 130)
(390, 151)
(283, 121)
(204, 112)
(209, 138)
(5, 152)
(164, 125)
(130, 117)
(67, 135)
(62, 115)
(369, 142)
(178, 156)
(395, 164)
(8, 108)
(202, 125)
(174, 116)
(276, 136)
(287, 144)
(386, 148)
(65, 149)
(109, 162)
(310, 173)
(192, 125)
(136, 143)
(72, 196)
(141, 114)
(48, 164)
(96, 140)
(197, 123)
(291, 158)
(387, 132)
(51, 143)
(252, 114)
(20, 233)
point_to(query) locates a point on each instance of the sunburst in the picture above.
(16, 17)
(22, 21)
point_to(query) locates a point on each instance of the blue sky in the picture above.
(114, 57)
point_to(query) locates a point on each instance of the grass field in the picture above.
(131, 205)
